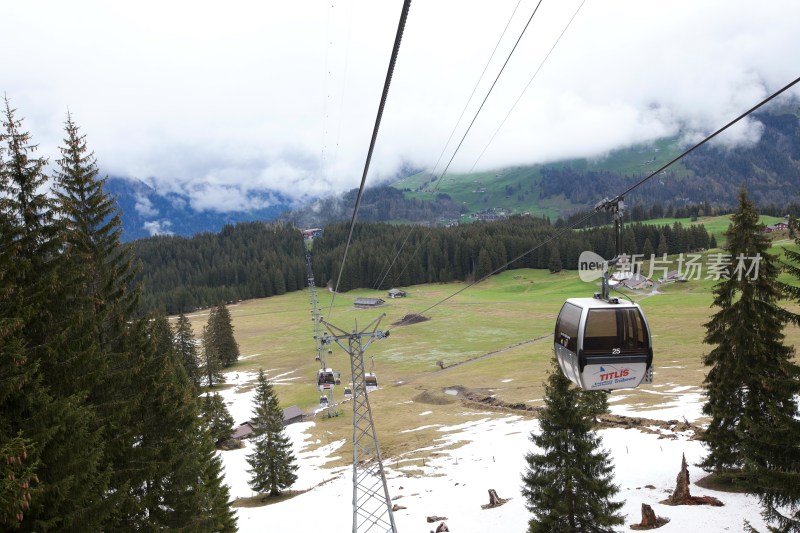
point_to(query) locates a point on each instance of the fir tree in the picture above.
(484, 266)
(663, 246)
(103, 305)
(772, 455)
(272, 461)
(20, 386)
(568, 484)
(554, 263)
(217, 418)
(212, 366)
(224, 343)
(49, 333)
(179, 484)
(752, 383)
(647, 249)
(186, 348)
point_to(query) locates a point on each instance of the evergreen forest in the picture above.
(257, 260)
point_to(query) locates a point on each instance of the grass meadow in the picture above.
(499, 316)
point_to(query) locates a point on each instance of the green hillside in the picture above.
(716, 226)
(517, 190)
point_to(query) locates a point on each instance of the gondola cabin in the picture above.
(370, 381)
(603, 345)
(325, 379)
(323, 401)
(348, 392)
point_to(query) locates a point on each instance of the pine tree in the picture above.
(663, 246)
(20, 386)
(226, 343)
(272, 461)
(220, 330)
(179, 483)
(103, 306)
(752, 384)
(484, 266)
(186, 348)
(772, 456)
(568, 485)
(212, 366)
(217, 419)
(52, 335)
(554, 263)
(647, 249)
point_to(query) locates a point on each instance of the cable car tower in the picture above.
(326, 377)
(372, 509)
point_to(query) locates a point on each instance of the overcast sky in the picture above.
(217, 99)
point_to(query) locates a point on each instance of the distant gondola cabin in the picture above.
(370, 381)
(326, 379)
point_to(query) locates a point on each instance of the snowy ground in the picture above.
(455, 484)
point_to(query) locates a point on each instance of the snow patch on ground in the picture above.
(484, 454)
(420, 428)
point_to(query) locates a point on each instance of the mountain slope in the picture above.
(147, 212)
(770, 169)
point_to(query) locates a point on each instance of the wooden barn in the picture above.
(367, 303)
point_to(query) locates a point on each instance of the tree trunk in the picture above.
(681, 493)
(648, 517)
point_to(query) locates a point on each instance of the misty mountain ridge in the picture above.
(769, 168)
(147, 212)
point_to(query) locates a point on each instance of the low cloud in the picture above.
(158, 227)
(144, 207)
(229, 103)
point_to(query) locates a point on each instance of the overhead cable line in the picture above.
(382, 276)
(474, 89)
(395, 50)
(528, 85)
(617, 197)
(458, 147)
(478, 112)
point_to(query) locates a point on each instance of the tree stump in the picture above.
(648, 516)
(682, 496)
(681, 492)
(494, 500)
(649, 519)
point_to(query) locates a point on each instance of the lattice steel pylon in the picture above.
(319, 335)
(372, 510)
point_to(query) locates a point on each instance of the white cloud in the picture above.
(245, 97)
(158, 227)
(145, 207)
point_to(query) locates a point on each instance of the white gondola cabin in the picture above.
(323, 401)
(326, 379)
(602, 345)
(370, 381)
(348, 392)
